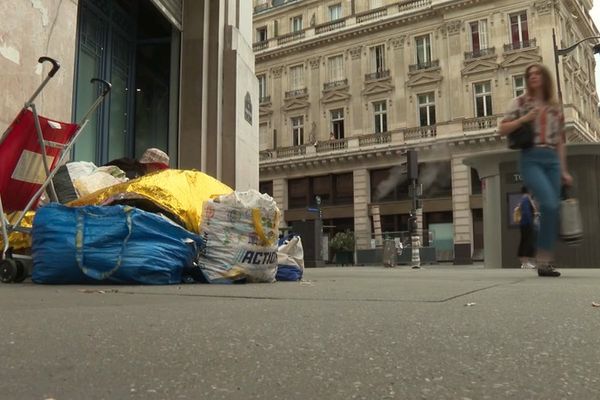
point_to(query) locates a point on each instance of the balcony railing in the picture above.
(476, 124)
(332, 145)
(264, 100)
(377, 75)
(261, 7)
(470, 55)
(260, 45)
(290, 37)
(526, 44)
(296, 93)
(377, 138)
(265, 155)
(335, 84)
(421, 132)
(413, 5)
(424, 65)
(330, 26)
(291, 151)
(371, 14)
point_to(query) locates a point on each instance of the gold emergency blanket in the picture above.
(18, 240)
(179, 192)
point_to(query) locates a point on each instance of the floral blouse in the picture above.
(549, 125)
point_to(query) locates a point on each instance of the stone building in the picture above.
(182, 73)
(347, 86)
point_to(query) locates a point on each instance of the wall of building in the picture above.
(31, 29)
(451, 80)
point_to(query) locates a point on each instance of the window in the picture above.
(343, 188)
(483, 99)
(337, 123)
(374, 4)
(296, 24)
(423, 44)
(266, 187)
(380, 112)
(297, 131)
(519, 30)
(427, 109)
(378, 58)
(298, 193)
(479, 37)
(335, 12)
(336, 68)
(262, 87)
(518, 85)
(296, 77)
(261, 34)
(264, 138)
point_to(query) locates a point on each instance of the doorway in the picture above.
(133, 46)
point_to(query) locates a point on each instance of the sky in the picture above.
(595, 13)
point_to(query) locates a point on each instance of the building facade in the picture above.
(347, 86)
(182, 75)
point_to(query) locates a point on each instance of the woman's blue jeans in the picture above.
(540, 170)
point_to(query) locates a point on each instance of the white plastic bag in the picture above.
(290, 260)
(241, 231)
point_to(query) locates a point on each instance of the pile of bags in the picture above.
(165, 228)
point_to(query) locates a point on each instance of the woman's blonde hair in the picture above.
(547, 84)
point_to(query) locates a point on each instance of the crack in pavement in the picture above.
(328, 299)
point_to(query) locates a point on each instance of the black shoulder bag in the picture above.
(522, 137)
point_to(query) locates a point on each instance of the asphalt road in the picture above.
(344, 333)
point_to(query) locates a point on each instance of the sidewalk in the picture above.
(345, 333)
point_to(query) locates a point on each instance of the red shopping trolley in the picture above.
(31, 150)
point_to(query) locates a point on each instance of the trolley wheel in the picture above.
(8, 270)
(21, 272)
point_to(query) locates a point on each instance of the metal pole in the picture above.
(415, 241)
(556, 62)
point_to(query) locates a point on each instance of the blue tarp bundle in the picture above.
(117, 244)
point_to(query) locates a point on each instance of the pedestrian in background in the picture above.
(543, 165)
(527, 212)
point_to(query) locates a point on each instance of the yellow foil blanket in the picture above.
(179, 192)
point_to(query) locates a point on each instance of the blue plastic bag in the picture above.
(117, 244)
(290, 259)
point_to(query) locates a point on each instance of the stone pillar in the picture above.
(463, 221)
(355, 80)
(492, 221)
(362, 224)
(280, 193)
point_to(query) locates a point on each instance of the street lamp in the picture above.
(563, 52)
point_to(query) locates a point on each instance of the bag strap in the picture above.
(80, 241)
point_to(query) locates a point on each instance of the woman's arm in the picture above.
(508, 127)
(566, 178)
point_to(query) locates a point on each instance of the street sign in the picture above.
(312, 209)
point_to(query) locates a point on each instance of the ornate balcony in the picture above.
(423, 66)
(260, 45)
(376, 138)
(371, 14)
(421, 132)
(292, 151)
(296, 93)
(471, 55)
(377, 75)
(332, 145)
(265, 100)
(330, 26)
(526, 44)
(411, 5)
(481, 123)
(335, 84)
(266, 155)
(290, 37)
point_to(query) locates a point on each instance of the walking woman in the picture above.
(527, 211)
(544, 165)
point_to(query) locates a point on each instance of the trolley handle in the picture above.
(55, 65)
(107, 85)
